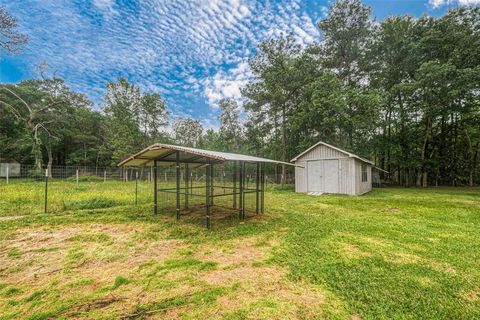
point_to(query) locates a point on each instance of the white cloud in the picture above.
(187, 48)
(106, 6)
(440, 3)
(227, 84)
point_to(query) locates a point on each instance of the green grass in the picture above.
(391, 254)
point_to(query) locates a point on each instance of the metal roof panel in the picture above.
(165, 153)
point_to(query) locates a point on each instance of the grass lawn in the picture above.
(390, 254)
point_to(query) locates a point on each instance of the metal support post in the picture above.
(136, 187)
(257, 187)
(155, 193)
(207, 194)
(187, 174)
(262, 201)
(242, 181)
(211, 184)
(235, 184)
(243, 187)
(178, 182)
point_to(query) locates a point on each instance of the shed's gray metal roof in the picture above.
(349, 154)
(166, 153)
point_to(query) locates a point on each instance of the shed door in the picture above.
(331, 176)
(315, 176)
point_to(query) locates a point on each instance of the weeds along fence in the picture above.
(26, 190)
(12, 172)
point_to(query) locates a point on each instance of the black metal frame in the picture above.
(239, 188)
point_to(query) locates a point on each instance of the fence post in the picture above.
(46, 189)
(104, 175)
(77, 175)
(8, 167)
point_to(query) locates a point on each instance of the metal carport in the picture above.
(185, 160)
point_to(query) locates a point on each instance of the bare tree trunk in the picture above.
(424, 173)
(454, 162)
(473, 166)
(37, 153)
(275, 149)
(96, 161)
(85, 156)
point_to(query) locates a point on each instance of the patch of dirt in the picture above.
(382, 244)
(392, 210)
(352, 251)
(234, 253)
(243, 265)
(401, 257)
(43, 252)
(85, 258)
(472, 296)
(443, 267)
(9, 218)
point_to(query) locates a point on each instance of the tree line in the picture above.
(403, 92)
(43, 122)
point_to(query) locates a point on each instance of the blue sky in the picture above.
(191, 52)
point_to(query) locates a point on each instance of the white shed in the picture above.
(324, 168)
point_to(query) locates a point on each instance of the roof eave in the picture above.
(193, 151)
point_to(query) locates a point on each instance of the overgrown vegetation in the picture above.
(392, 253)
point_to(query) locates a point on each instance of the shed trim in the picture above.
(349, 154)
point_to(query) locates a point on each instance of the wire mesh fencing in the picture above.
(25, 189)
(224, 189)
(11, 172)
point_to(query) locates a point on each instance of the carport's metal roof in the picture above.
(166, 154)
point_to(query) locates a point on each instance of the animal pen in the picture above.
(188, 179)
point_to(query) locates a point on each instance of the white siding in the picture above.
(322, 152)
(366, 186)
(346, 181)
(300, 177)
